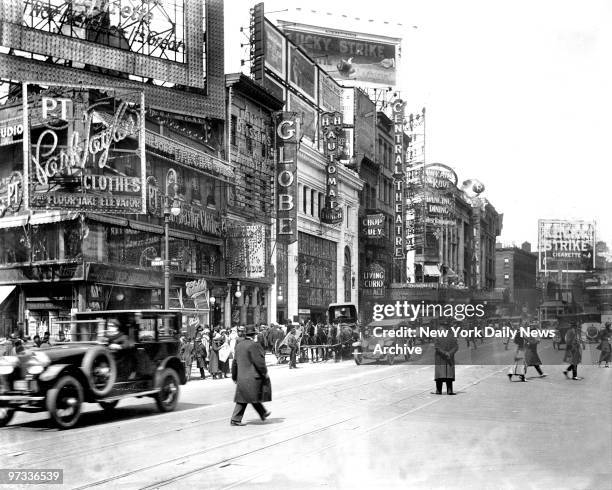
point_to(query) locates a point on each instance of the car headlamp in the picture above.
(7, 364)
(42, 358)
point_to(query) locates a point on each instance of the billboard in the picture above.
(274, 49)
(565, 245)
(84, 150)
(140, 26)
(302, 73)
(309, 115)
(365, 126)
(348, 55)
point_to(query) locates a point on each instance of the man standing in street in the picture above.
(445, 347)
(292, 343)
(250, 374)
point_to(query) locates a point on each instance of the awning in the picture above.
(5, 292)
(450, 272)
(43, 218)
(431, 270)
(109, 220)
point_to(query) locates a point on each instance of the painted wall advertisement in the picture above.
(302, 73)
(85, 150)
(348, 55)
(331, 123)
(274, 49)
(365, 124)
(565, 245)
(287, 136)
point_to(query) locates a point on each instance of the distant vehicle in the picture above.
(371, 346)
(342, 314)
(110, 355)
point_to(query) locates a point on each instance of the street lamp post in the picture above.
(173, 209)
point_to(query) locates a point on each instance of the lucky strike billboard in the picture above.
(348, 55)
(84, 150)
(565, 245)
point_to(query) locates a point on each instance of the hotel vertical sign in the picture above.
(398, 177)
(331, 123)
(286, 134)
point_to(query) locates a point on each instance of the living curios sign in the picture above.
(565, 245)
(287, 136)
(84, 150)
(331, 124)
(398, 177)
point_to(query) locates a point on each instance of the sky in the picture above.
(518, 94)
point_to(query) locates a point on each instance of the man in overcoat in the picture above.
(250, 373)
(573, 351)
(445, 349)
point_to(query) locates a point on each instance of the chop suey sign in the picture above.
(76, 138)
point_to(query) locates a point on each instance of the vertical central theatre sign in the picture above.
(287, 129)
(398, 177)
(331, 123)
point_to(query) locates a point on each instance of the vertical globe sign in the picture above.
(331, 124)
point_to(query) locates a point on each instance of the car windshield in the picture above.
(342, 313)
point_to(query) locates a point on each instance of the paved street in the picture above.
(338, 425)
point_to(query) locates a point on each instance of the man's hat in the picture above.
(241, 328)
(250, 330)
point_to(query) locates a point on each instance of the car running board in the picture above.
(140, 394)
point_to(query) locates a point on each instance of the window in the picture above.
(313, 195)
(234, 123)
(348, 216)
(506, 261)
(305, 199)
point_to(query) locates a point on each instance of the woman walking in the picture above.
(604, 345)
(531, 356)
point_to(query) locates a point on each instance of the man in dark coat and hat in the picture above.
(573, 351)
(445, 347)
(250, 374)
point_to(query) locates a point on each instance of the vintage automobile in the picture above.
(108, 356)
(366, 347)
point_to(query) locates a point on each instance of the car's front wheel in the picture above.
(6, 415)
(168, 395)
(64, 402)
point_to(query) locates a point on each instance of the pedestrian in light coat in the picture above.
(445, 349)
(250, 374)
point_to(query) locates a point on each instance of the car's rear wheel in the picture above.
(101, 370)
(6, 415)
(64, 402)
(168, 395)
(109, 406)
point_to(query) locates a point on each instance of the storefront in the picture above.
(316, 271)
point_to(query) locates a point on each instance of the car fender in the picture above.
(55, 371)
(172, 362)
